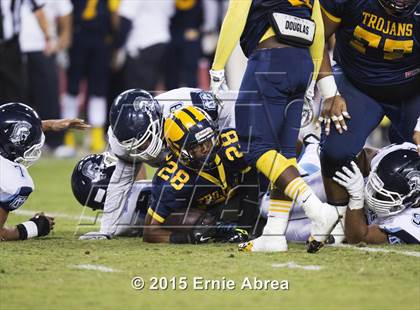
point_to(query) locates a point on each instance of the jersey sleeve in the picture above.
(64, 7)
(36, 4)
(128, 9)
(15, 185)
(334, 9)
(226, 111)
(230, 33)
(403, 227)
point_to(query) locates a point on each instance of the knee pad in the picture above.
(329, 164)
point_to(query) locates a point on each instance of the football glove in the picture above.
(218, 82)
(353, 182)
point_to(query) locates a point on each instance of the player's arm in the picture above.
(357, 230)
(65, 27)
(39, 225)
(190, 226)
(117, 193)
(7, 234)
(334, 109)
(62, 124)
(153, 231)
(230, 33)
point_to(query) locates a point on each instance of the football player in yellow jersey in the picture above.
(203, 171)
(283, 40)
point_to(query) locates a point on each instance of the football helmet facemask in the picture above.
(185, 130)
(400, 8)
(394, 184)
(21, 136)
(136, 124)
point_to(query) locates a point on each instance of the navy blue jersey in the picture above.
(176, 187)
(373, 47)
(258, 18)
(93, 16)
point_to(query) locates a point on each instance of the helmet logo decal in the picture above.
(416, 219)
(92, 171)
(208, 101)
(142, 105)
(203, 134)
(21, 132)
(414, 180)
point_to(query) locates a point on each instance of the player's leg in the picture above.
(404, 118)
(130, 221)
(98, 87)
(149, 66)
(337, 150)
(260, 111)
(276, 87)
(70, 100)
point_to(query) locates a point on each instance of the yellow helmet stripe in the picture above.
(172, 130)
(185, 119)
(199, 116)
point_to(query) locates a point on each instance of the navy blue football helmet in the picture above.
(21, 136)
(394, 184)
(90, 179)
(400, 8)
(136, 124)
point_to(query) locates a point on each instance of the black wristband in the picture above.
(23, 234)
(179, 238)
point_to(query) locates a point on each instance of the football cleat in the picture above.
(313, 246)
(238, 236)
(322, 226)
(265, 244)
(246, 246)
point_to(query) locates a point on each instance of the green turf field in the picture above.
(47, 274)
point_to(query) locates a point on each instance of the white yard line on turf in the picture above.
(94, 267)
(58, 215)
(380, 250)
(293, 265)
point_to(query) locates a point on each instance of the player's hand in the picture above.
(416, 139)
(202, 234)
(218, 82)
(44, 223)
(334, 109)
(51, 47)
(68, 123)
(352, 181)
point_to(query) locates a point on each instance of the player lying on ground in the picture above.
(395, 165)
(384, 208)
(90, 182)
(205, 169)
(21, 140)
(135, 137)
